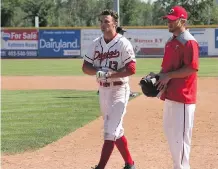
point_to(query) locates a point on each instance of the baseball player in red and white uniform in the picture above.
(121, 31)
(178, 77)
(111, 59)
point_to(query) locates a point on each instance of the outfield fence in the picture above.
(72, 42)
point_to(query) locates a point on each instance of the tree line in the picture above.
(71, 13)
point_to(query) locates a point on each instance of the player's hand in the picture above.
(102, 75)
(163, 80)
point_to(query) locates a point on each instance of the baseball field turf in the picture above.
(68, 67)
(31, 119)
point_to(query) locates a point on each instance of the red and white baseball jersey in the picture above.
(114, 55)
(180, 51)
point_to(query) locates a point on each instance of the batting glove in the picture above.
(101, 75)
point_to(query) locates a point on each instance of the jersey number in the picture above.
(113, 65)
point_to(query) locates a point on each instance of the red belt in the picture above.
(107, 84)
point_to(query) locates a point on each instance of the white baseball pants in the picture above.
(178, 121)
(113, 103)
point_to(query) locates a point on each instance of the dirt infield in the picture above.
(143, 128)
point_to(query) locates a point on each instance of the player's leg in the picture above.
(103, 101)
(178, 123)
(118, 110)
(106, 152)
(189, 123)
(108, 146)
(119, 96)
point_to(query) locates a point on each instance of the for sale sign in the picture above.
(19, 43)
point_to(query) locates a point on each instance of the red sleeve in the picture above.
(84, 62)
(191, 54)
(131, 66)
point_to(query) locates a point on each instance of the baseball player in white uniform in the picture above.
(111, 59)
(121, 31)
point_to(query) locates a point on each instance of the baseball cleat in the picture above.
(128, 166)
(96, 167)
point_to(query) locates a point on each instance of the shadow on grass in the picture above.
(132, 96)
(73, 97)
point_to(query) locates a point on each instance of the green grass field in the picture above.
(69, 67)
(33, 119)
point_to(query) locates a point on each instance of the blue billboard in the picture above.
(216, 38)
(59, 43)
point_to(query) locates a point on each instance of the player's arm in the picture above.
(152, 74)
(191, 56)
(88, 68)
(128, 59)
(181, 73)
(129, 69)
(190, 61)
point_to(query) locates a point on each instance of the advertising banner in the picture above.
(59, 43)
(87, 36)
(148, 42)
(216, 39)
(200, 34)
(18, 43)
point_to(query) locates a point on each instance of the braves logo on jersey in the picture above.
(110, 54)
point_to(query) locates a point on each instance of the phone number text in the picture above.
(14, 53)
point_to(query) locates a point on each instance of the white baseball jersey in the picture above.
(114, 55)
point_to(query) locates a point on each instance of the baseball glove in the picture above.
(148, 87)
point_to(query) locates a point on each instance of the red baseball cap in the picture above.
(175, 13)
